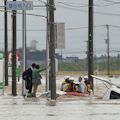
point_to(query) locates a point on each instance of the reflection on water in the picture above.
(40, 110)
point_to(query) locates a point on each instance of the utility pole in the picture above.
(108, 51)
(90, 43)
(47, 46)
(24, 46)
(6, 43)
(61, 55)
(118, 56)
(14, 87)
(52, 72)
(118, 60)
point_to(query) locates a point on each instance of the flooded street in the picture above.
(81, 108)
(19, 109)
(59, 49)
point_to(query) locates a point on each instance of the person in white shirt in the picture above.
(82, 85)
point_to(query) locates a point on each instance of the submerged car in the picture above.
(113, 91)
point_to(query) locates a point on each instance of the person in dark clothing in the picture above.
(31, 69)
(28, 78)
(28, 81)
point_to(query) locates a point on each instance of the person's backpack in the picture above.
(24, 75)
(27, 74)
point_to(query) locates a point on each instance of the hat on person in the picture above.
(71, 79)
(85, 78)
(66, 77)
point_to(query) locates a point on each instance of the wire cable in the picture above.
(116, 2)
(76, 6)
(30, 14)
(86, 11)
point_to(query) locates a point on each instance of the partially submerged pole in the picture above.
(52, 72)
(6, 43)
(24, 46)
(47, 46)
(14, 86)
(90, 43)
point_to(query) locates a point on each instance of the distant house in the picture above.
(72, 59)
(39, 57)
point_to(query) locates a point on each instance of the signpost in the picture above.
(19, 5)
(14, 6)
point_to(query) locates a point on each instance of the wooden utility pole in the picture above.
(90, 43)
(14, 87)
(108, 51)
(6, 43)
(47, 46)
(52, 72)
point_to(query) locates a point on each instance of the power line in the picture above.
(74, 28)
(30, 14)
(96, 5)
(70, 8)
(71, 5)
(116, 26)
(86, 11)
(110, 1)
(42, 1)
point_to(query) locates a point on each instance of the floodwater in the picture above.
(19, 108)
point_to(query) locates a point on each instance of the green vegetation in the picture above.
(100, 66)
(80, 66)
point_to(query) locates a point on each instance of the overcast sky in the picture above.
(74, 13)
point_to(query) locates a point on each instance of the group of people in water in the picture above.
(32, 79)
(82, 85)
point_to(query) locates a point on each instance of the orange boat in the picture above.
(77, 94)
